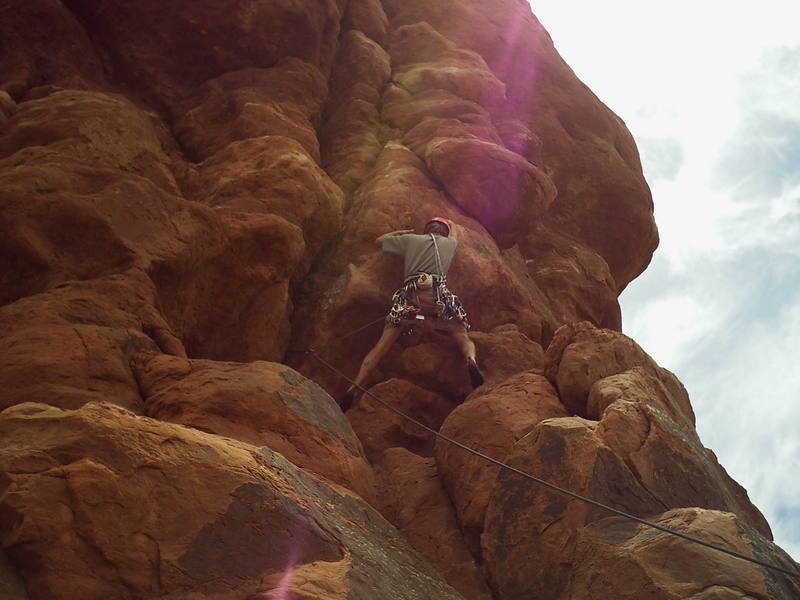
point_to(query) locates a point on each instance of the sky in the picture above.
(710, 90)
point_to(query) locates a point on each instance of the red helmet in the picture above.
(441, 220)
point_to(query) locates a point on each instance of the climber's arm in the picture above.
(453, 234)
(380, 238)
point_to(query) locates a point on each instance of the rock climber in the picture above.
(423, 297)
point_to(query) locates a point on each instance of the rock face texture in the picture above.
(189, 197)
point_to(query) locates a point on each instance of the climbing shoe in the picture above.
(475, 375)
(346, 400)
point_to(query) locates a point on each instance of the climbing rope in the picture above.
(312, 352)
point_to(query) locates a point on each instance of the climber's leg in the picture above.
(371, 360)
(467, 348)
(465, 345)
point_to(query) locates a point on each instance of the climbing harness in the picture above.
(406, 300)
(312, 352)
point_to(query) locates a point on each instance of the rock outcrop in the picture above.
(189, 198)
(106, 504)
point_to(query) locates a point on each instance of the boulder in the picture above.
(629, 461)
(581, 354)
(434, 362)
(232, 520)
(226, 292)
(491, 423)
(518, 137)
(660, 449)
(403, 110)
(430, 130)
(506, 351)
(75, 343)
(351, 134)
(618, 559)
(351, 143)
(361, 70)
(261, 403)
(529, 531)
(84, 161)
(92, 128)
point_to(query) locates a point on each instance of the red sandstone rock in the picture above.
(91, 128)
(361, 69)
(581, 354)
(75, 343)
(620, 560)
(529, 534)
(518, 138)
(351, 143)
(272, 175)
(433, 361)
(630, 460)
(221, 310)
(44, 42)
(106, 258)
(165, 51)
(499, 188)
(404, 110)
(368, 17)
(11, 585)
(576, 280)
(424, 60)
(285, 100)
(505, 351)
(421, 136)
(80, 178)
(490, 423)
(99, 503)
(356, 283)
(83, 161)
(661, 449)
(378, 428)
(7, 108)
(352, 134)
(264, 404)
(413, 500)
(603, 200)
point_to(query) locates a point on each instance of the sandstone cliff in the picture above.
(189, 194)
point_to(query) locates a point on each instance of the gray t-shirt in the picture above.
(419, 254)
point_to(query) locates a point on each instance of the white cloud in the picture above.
(749, 420)
(669, 340)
